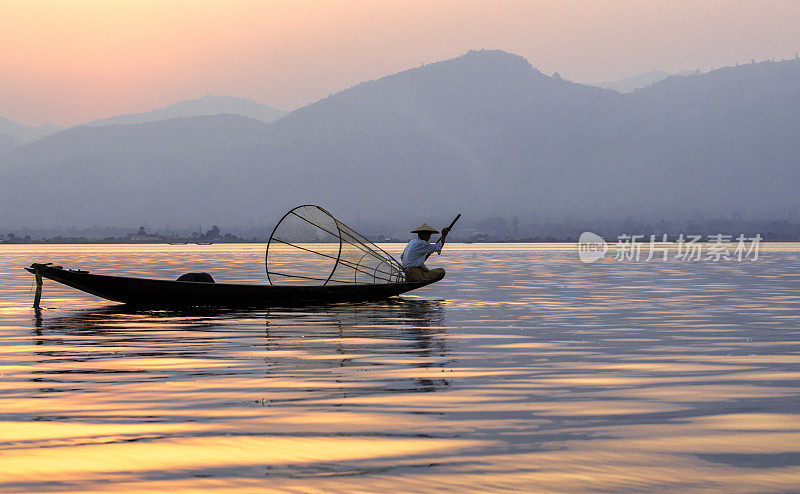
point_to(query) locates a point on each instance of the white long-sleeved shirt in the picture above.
(417, 251)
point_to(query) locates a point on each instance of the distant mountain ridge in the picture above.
(484, 134)
(637, 81)
(207, 105)
(13, 134)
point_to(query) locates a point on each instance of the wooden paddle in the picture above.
(454, 222)
(448, 231)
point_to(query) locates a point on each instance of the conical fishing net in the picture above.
(311, 247)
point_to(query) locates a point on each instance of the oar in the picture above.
(448, 230)
(454, 222)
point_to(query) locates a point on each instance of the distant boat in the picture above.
(339, 265)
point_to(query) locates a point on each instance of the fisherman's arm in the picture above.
(440, 243)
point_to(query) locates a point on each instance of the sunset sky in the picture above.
(67, 62)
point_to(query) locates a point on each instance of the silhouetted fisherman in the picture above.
(417, 252)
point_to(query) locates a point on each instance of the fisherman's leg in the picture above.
(415, 274)
(434, 274)
(423, 274)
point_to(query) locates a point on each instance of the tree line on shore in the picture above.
(494, 229)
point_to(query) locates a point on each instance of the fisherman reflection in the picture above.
(427, 319)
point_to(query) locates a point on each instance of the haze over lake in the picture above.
(485, 133)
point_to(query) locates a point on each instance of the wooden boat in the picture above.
(153, 292)
(359, 271)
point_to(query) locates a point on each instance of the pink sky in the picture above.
(72, 61)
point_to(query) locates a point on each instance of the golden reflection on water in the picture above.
(523, 370)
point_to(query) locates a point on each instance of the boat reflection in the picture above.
(290, 344)
(396, 333)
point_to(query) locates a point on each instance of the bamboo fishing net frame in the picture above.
(337, 254)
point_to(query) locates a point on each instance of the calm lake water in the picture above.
(523, 370)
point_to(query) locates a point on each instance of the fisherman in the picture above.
(417, 252)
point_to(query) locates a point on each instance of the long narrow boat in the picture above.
(153, 292)
(341, 266)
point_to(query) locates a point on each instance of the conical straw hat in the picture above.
(424, 228)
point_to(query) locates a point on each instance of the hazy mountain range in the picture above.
(14, 134)
(485, 134)
(207, 105)
(638, 81)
